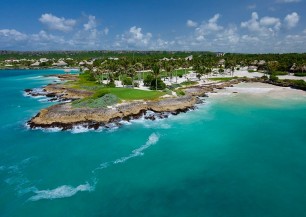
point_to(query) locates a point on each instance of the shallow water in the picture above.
(237, 155)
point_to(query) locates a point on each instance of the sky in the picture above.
(244, 26)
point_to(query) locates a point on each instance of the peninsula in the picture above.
(108, 91)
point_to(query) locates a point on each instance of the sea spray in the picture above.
(153, 139)
(61, 192)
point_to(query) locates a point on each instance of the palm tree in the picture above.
(131, 72)
(168, 69)
(138, 67)
(120, 71)
(156, 72)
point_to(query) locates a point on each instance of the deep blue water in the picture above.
(234, 156)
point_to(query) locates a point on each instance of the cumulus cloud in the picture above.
(136, 38)
(208, 27)
(12, 34)
(265, 26)
(55, 23)
(291, 20)
(91, 24)
(191, 23)
(10, 38)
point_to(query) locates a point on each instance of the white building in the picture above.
(60, 63)
(37, 63)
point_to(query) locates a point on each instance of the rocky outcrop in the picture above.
(58, 92)
(64, 116)
(206, 88)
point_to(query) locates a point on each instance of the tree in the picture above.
(138, 67)
(273, 66)
(156, 72)
(131, 72)
(168, 69)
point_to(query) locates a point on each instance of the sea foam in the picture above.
(153, 139)
(61, 192)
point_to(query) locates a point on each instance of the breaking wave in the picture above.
(61, 192)
(153, 139)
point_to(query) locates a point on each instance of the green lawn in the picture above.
(222, 79)
(129, 93)
(189, 83)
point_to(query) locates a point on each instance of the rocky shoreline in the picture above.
(65, 117)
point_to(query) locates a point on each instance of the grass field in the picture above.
(222, 79)
(129, 93)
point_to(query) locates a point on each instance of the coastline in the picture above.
(65, 117)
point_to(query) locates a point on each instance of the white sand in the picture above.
(261, 90)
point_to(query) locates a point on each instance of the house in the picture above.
(261, 63)
(36, 64)
(220, 54)
(253, 68)
(254, 63)
(221, 63)
(43, 60)
(189, 58)
(82, 63)
(60, 63)
(113, 58)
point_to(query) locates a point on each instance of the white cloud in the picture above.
(291, 20)
(11, 38)
(212, 23)
(265, 26)
(91, 24)
(252, 24)
(55, 23)
(12, 34)
(271, 21)
(208, 27)
(288, 1)
(191, 23)
(106, 31)
(136, 38)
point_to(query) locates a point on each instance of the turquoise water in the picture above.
(234, 156)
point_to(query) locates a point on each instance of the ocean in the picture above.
(236, 155)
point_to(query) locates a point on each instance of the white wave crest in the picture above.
(51, 130)
(153, 139)
(60, 192)
(79, 129)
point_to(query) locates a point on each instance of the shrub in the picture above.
(180, 92)
(127, 81)
(188, 83)
(174, 86)
(102, 102)
(300, 74)
(111, 84)
(265, 77)
(100, 93)
(136, 84)
(160, 84)
(167, 91)
(87, 76)
(273, 78)
(148, 79)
